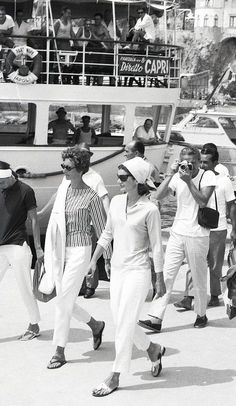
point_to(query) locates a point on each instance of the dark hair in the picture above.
(85, 117)
(190, 151)
(209, 145)
(98, 15)
(4, 165)
(142, 188)
(80, 158)
(139, 147)
(210, 151)
(64, 9)
(148, 119)
(142, 8)
(3, 8)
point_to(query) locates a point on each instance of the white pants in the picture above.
(68, 286)
(129, 289)
(19, 258)
(195, 250)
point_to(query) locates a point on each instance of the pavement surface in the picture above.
(199, 367)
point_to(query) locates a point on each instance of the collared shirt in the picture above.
(15, 202)
(186, 218)
(135, 230)
(82, 207)
(95, 181)
(146, 24)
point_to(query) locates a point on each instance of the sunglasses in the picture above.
(67, 167)
(140, 12)
(123, 178)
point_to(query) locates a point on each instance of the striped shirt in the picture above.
(82, 207)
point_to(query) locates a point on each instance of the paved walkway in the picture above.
(199, 367)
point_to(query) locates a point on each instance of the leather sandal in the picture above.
(157, 365)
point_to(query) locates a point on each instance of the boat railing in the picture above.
(107, 63)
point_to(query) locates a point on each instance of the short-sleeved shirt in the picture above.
(140, 132)
(146, 24)
(9, 23)
(95, 181)
(222, 169)
(20, 30)
(186, 221)
(15, 202)
(224, 194)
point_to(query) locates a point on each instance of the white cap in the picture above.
(5, 173)
(140, 170)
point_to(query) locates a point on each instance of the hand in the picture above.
(175, 166)
(160, 285)
(39, 254)
(108, 267)
(92, 268)
(233, 237)
(185, 175)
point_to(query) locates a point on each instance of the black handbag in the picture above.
(207, 217)
(39, 271)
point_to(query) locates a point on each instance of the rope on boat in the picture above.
(30, 175)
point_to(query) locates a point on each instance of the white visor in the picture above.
(5, 173)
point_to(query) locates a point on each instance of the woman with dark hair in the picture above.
(133, 224)
(68, 249)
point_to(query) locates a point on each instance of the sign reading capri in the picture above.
(143, 65)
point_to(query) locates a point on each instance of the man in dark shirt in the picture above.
(17, 203)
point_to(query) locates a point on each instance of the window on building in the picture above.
(232, 21)
(205, 23)
(216, 20)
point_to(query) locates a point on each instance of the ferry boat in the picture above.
(136, 84)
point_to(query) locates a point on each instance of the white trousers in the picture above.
(19, 257)
(68, 286)
(195, 250)
(129, 289)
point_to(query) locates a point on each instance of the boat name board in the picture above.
(143, 65)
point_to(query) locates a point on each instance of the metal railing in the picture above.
(112, 63)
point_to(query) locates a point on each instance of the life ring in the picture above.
(23, 75)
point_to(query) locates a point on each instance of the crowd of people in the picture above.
(97, 34)
(128, 234)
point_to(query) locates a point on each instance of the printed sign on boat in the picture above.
(143, 65)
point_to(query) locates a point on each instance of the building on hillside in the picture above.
(215, 19)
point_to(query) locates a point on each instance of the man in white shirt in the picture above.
(6, 27)
(145, 133)
(144, 30)
(20, 28)
(187, 238)
(226, 203)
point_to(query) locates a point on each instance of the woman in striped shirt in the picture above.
(76, 206)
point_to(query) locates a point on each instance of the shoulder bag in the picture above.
(207, 217)
(39, 271)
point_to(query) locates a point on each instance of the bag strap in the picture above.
(214, 191)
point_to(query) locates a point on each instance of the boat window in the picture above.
(159, 116)
(202, 122)
(17, 123)
(229, 125)
(98, 125)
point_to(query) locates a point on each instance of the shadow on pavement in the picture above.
(179, 377)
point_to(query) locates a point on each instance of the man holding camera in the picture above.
(187, 238)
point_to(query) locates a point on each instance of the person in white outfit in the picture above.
(17, 203)
(133, 224)
(187, 238)
(68, 249)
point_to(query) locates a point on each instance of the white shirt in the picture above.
(95, 181)
(186, 222)
(20, 30)
(222, 169)
(224, 193)
(146, 24)
(140, 132)
(134, 230)
(9, 23)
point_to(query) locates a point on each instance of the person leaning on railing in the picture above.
(6, 27)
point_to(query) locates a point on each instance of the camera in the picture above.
(186, 165)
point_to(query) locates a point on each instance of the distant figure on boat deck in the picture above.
(100, 32)
(145, 133)
(86, 133)
(108, 23)
(144, 30)
(21, 28)
(63, 29)
(6, 27)
(61, 128)
(84, 32)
